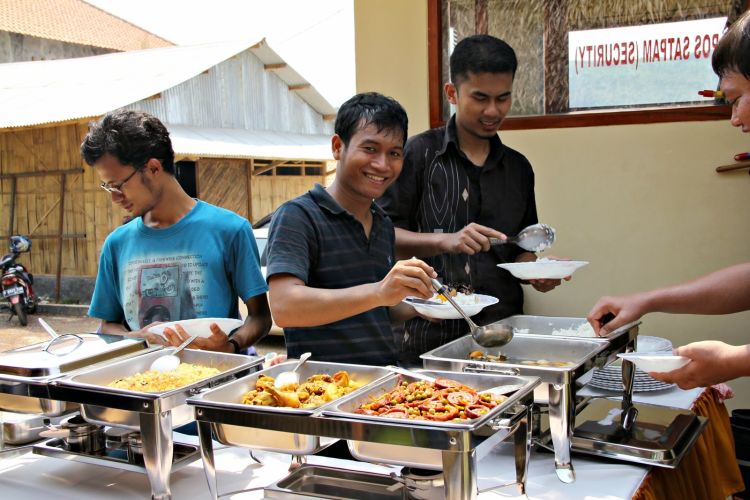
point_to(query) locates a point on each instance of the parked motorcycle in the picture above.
(17, 281)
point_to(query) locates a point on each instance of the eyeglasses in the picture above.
(117, 188)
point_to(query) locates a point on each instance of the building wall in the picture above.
(237, 93)
(88, 211)
(642, 203)
(15, 47)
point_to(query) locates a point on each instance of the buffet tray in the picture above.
(418, 449)
(582, 354)
(660, 435)
(229, 397)
(27, 373)
(314, 481)
(121, 408)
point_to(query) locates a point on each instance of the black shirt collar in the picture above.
(450, 137)
(326, 201)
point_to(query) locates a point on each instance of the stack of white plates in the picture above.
(610, 377)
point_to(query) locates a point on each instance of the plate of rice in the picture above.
(471, 304)
(543, 268)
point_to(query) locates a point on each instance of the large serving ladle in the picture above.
(534, 238)
(492, 335)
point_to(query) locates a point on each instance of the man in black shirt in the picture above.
(459, 187)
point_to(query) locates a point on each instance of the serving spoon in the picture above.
(291, 377)
(534, 238)
(171, 361)
(492, 335)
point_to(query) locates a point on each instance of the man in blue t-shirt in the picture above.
(178, 258)
(335, 286)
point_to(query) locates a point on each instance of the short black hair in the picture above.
(132, 137)
(370, 108)
(481, 54)
(732, 53)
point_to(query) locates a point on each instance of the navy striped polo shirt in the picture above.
(313, 238)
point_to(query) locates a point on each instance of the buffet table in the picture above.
(708, 471)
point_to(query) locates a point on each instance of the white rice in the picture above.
(582, 330)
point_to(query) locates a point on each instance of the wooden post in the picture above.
(12, 204)
(60, 227)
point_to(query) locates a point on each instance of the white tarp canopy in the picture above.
(42, 92)
(240, 143)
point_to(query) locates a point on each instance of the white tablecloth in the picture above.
(34, 477)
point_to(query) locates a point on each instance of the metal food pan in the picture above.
(20, 429)
(419, 453)
(228, 397)
(119, 407)
(27, 372)
(315, 481)
(581, 353)
(347, 405)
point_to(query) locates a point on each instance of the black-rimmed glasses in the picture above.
(117, 188)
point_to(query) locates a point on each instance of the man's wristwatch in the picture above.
(235, 345)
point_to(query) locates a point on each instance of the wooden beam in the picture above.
(60, 228)
(301, 86)
(275, 66)
(271, 166)
(435, 62)
(72, 236)
(41, 173)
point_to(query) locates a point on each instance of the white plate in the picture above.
(543, 269)
(199, 326)
(655, 361)
(447, 311)
(647, 343)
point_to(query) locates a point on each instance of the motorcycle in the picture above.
(17, 281)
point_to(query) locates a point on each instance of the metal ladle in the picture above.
(492, 335)
(171, 361)
(534, 238)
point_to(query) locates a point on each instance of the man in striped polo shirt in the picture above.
(334, 284)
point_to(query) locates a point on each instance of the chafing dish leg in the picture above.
(207, 454)
(522, 446)
(297, 462)
(158, 448)
(561, 419)
(460, 474)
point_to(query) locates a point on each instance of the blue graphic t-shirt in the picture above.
(193, 269)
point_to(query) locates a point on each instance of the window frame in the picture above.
(612, 116)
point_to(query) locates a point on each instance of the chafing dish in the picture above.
(22, 428)
(229, 397)
(451, 447)
(26, 373)
(558, 383)
(657, 435)
(154, 414)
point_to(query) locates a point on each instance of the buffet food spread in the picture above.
(113, 411)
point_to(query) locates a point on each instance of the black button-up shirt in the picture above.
(441, 190)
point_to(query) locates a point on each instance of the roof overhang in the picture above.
(196, 142)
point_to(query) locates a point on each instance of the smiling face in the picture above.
(482, 101)
(370, 163)
(736, 88)
(136, 195)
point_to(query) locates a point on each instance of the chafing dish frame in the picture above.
(560, 381)
(457, 443)
(151, 411)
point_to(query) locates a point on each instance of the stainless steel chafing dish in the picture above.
(26, 373)
(154, 414)
(452, 447)
(558, 389)
(229, 397)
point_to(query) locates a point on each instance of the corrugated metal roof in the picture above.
(240, 143)
(41, 92)
(74, 21)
